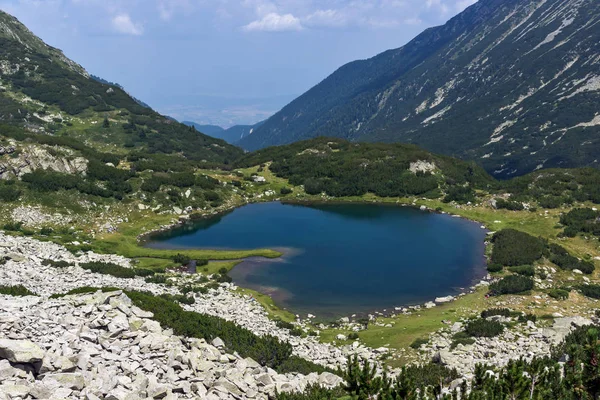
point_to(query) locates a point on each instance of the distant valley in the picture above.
(231, 135)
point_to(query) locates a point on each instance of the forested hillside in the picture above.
(340, 168)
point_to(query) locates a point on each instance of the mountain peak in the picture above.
(12, 29)
(510, 84)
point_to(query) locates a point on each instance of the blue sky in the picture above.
(225, 61)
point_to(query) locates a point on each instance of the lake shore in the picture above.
(188, 240)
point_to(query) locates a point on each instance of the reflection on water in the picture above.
(343, 259)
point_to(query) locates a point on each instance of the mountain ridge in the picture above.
(481, 87)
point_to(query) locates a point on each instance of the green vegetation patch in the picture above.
(56, 264)
(561, 257)
(9, 192)
(584, 220)
(418, 343)
(492, 312)
(558, 294)
(513, 248)
(85, 290)
(461, 338)
(525, 270)
(512, 284)
(484, 328)
(115, 270)
(592, 291)
(18, 290)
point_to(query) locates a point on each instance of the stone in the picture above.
(330, 380)
(43, 390)
(264, 380)
(442, 357)
(20, 351)
(61, 393)
(74, 381)
(224, 386)
(446, 299)
(217, 342)
(8, 371)
(15, 391)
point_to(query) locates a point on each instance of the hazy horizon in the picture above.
(224, 62)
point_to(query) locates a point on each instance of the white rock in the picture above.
(20, 351)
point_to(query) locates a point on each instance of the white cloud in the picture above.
(273, 22)
(122, 23)
(326, 18)
(437, 5)
(167, 8)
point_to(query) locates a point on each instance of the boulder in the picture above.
(20, 351)
(446, 299)
(74, 381)
(329, 380)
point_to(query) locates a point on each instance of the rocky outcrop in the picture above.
(422, 166)
(101, 346)
(14, 163)
(35, 217)
(527, 341)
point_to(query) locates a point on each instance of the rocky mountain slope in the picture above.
(42, 91)
(513, 84)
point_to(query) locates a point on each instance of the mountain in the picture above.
(231, 135)
(512, 84)
(44, 92)
(101, 80)
(210, 130)
(239, 132)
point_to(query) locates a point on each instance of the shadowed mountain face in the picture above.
(512, 84)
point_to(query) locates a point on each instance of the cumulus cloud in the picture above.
(274, 22)
(122, 23)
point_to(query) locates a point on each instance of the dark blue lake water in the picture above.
(343, 259)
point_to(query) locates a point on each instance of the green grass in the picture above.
(269, 305)
(407, 328)
(125, 242)
(128, 247)
(213, 267)
(154, 264)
